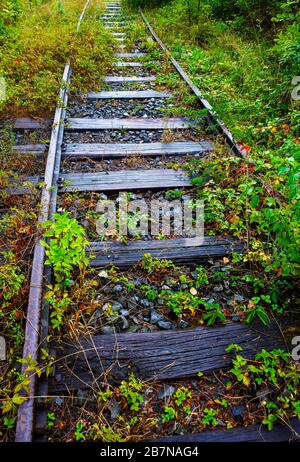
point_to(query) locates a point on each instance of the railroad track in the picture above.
(161, 354)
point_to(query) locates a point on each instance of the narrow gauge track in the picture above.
(162, 355)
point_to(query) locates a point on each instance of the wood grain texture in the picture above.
(127, 64)
(179, 250)
(130, 55)
(27, 123)
(251, 434)
(19, 188)
(118, 150)
(143, 94)
(124, 180)
(120, 79)
(130, 124)
(39, 150)
(161, 355)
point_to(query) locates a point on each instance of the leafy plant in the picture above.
(11, 278)
(79, 431)
(152, 264)
(202, 277)
(168, 414)
(130, 390)
(181, 395)
(66, 248)
(209, 417)
(50, 419)
(255, 308)
(181, 302)
(233, 347)
(59, 302)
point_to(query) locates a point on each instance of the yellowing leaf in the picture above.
(6, 406)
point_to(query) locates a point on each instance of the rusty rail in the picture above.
(212, 115)
(25, 420)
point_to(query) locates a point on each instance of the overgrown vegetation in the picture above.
(137, 410)
(244, 56)
(36, 38)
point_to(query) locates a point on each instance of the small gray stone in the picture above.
(125, 323)
(165, 287)
(155, 317)
(237, 413)
(117, 306)
(194, 274)
(132, 302)
(183, 324)
(107, 330)
(58, 400)
(235, 318)
(166, 325)
(146, 303)
(238, 298)
(166, 392)
(114, 409)
(218, 288)
(118, 289)
(124, 313)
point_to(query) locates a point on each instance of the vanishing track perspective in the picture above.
(120, 140)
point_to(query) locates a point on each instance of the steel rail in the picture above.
(25, 418)
(214, 119)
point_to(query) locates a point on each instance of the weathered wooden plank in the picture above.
(127, 256)
(142, 94)
(109, 25)
(130, 124)
(118, 34)
(124, 180)
(113, 27)
(24, 123)
(162, 355)
(179, 243)
(18, 187)
(127, 64)
(251, 434)
(120, 79)
(130, 55)
(38, 149)
(145, 149)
